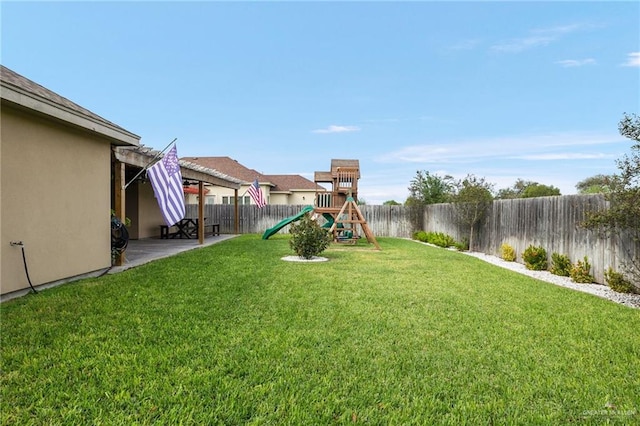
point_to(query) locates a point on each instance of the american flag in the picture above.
(166, 181)
(256, 194)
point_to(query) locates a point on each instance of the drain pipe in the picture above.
(24, 260)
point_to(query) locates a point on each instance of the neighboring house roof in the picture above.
(141, 156)
(230, 167)
(288, 183)
(24, 93)
(278, 183)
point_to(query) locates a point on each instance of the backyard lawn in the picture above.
(230, 334)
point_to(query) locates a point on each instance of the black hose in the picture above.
(26, 270)
(119, 237)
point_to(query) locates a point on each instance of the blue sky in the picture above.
(501, 90)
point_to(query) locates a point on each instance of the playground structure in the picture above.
(338, 206)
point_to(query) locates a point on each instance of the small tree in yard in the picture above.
(308, 239)
(623, 215)
(471, 202)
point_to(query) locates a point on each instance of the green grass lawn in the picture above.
(230, 334)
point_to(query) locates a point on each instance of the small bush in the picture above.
(420, 236)
(507, 252)
(308, 239)
(560, 265)
(440, 239)
(462, 245)
(617, 282)
(535, 258)
(580, 272)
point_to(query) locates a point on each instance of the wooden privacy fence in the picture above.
(550, 222)
(383, 220)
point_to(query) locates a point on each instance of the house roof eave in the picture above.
(33, 103)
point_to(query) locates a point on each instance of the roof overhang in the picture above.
(25, 100)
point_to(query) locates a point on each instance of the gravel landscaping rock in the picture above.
(600, 290)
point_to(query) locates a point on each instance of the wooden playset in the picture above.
(339, 205)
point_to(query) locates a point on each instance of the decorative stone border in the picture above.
(302, 259)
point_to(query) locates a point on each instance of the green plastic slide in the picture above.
(284, 222)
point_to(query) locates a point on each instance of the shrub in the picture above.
(560, 265)
(420, 236)
(462, 245)
(440, 239)
(580, 272)
(309, 239)
(535, 258)
(507, 252)
(617, 282)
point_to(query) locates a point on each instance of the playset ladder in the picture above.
(349, 216)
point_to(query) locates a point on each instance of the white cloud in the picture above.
(337, 129)
(538, 37)
(565, 156)
(518, 45)
(568, 63)
(468, 151)
(633, 60)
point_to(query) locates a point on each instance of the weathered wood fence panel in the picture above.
(383, 220)
(550, 222)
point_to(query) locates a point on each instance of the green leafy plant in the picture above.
(440, 239)
(560, 265)
(462, 245)
(617, 282)
(308, 239)
(507, 252)
(535, 258)
(420, 236)
(580, 272)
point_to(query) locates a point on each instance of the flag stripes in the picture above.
(256, 194)
(166, 181)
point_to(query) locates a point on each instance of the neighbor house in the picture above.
(277, 189)
(55, 185)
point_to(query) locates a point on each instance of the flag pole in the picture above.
(150, 163)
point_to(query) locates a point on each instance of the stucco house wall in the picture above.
(142, 209)
(55, 199)
(55, 186)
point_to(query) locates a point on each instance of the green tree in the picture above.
(527, 189)
(598, 184)
(515, 191)
(623, 215)
(426, 188)
(471, 201)
(540, 190)
(391, 203)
